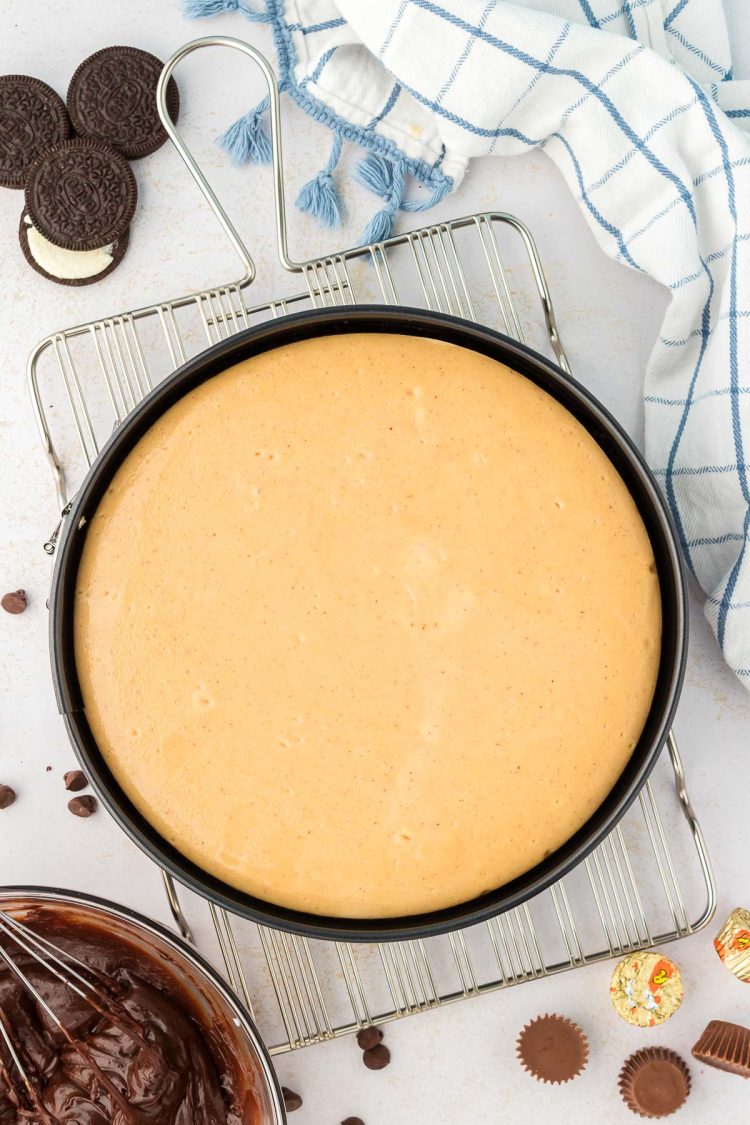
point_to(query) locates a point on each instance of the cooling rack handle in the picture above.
(276, 155)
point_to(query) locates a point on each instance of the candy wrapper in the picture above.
(732, 943)
(646, 989)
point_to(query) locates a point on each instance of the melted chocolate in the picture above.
(142, 1059)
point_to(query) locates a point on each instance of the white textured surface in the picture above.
(456, 1065)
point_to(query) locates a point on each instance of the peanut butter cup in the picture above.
(553, 1049)
(654, 1082)
(725, 1046)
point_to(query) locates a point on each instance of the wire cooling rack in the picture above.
(648, 883)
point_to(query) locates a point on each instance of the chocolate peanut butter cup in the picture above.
(81, 195)
(725, 1046)
(33, 118)
(654, 1082)
(553, 1049)
(112, 97)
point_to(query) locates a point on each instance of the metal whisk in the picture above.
(19, 1076)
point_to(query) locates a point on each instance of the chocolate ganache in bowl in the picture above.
(165, 1042)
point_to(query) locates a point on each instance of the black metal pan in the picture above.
(599, 423)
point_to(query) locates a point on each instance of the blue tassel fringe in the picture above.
(198, 9)
(247, 140)
(381, 224)
(438, 193)
(379, 227)
(319, 197)
(376, 174)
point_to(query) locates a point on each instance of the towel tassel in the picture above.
(319, 197)
(200, 9)
(376, 174)
(247, 140)
(438, 193)
(381, 224)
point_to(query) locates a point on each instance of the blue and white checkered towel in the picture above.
(635, 102)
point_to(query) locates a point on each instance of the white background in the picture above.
(456, 1065)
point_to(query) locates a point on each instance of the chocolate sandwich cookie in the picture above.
(112, 97)
(81, 195)
(69, 267)
(33, 118)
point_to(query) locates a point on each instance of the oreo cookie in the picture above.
(68, 267)
(33, 118)
(112, 97)
(81, 195)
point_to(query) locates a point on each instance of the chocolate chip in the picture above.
(352, 1121)
(292, 1101)
(75, 781)
(82, 806)
(369, 1037)
(376, 1058)
(7, 796)
(14, 602)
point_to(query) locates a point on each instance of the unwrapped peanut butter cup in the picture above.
(725, 1046)
(552, 1048)
(654, 1082)
(732, 943)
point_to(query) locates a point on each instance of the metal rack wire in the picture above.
(649, 882)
